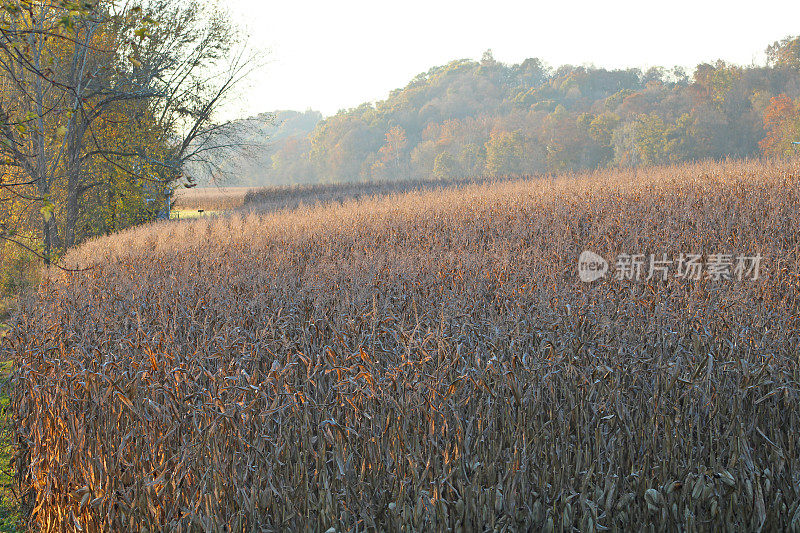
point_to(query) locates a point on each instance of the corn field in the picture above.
(425, 361)
(272, 199)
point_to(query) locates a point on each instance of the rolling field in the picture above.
(426, 361)
(274, 199)
(209, 198)
(201, 202)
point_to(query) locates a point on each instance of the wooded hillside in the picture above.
(486, 117)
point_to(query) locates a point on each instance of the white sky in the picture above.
(329, 55)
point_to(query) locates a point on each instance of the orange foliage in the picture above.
(780, 122)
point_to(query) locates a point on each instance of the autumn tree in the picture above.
(782, 126)
(445, 166)
(105, 105)
(504, 153)
(392, 152)
(785, 53)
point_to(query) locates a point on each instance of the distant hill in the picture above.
(485, 117)
(470, 118)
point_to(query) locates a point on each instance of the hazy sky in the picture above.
(329, 55)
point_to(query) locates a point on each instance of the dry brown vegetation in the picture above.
(427, 361)
(210, 198)
(272, 199)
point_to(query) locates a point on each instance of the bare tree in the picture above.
(198, 62)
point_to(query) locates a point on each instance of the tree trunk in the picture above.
(74, 184)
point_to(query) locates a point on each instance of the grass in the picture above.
(209, 201)
(426, 361)
(184, 214)
(10, 517)
(18, 277)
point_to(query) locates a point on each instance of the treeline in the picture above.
(103, 105)
(484, 117)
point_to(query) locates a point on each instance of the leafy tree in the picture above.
(785, 53)
(392, 152)
(782, 124)
(445, 166)
(504, 153)
(103, 107)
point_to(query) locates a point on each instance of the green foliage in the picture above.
(10, 520)
(19, 270)
(504, 153)
(445, 166)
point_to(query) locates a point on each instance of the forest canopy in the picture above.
(470, 118)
